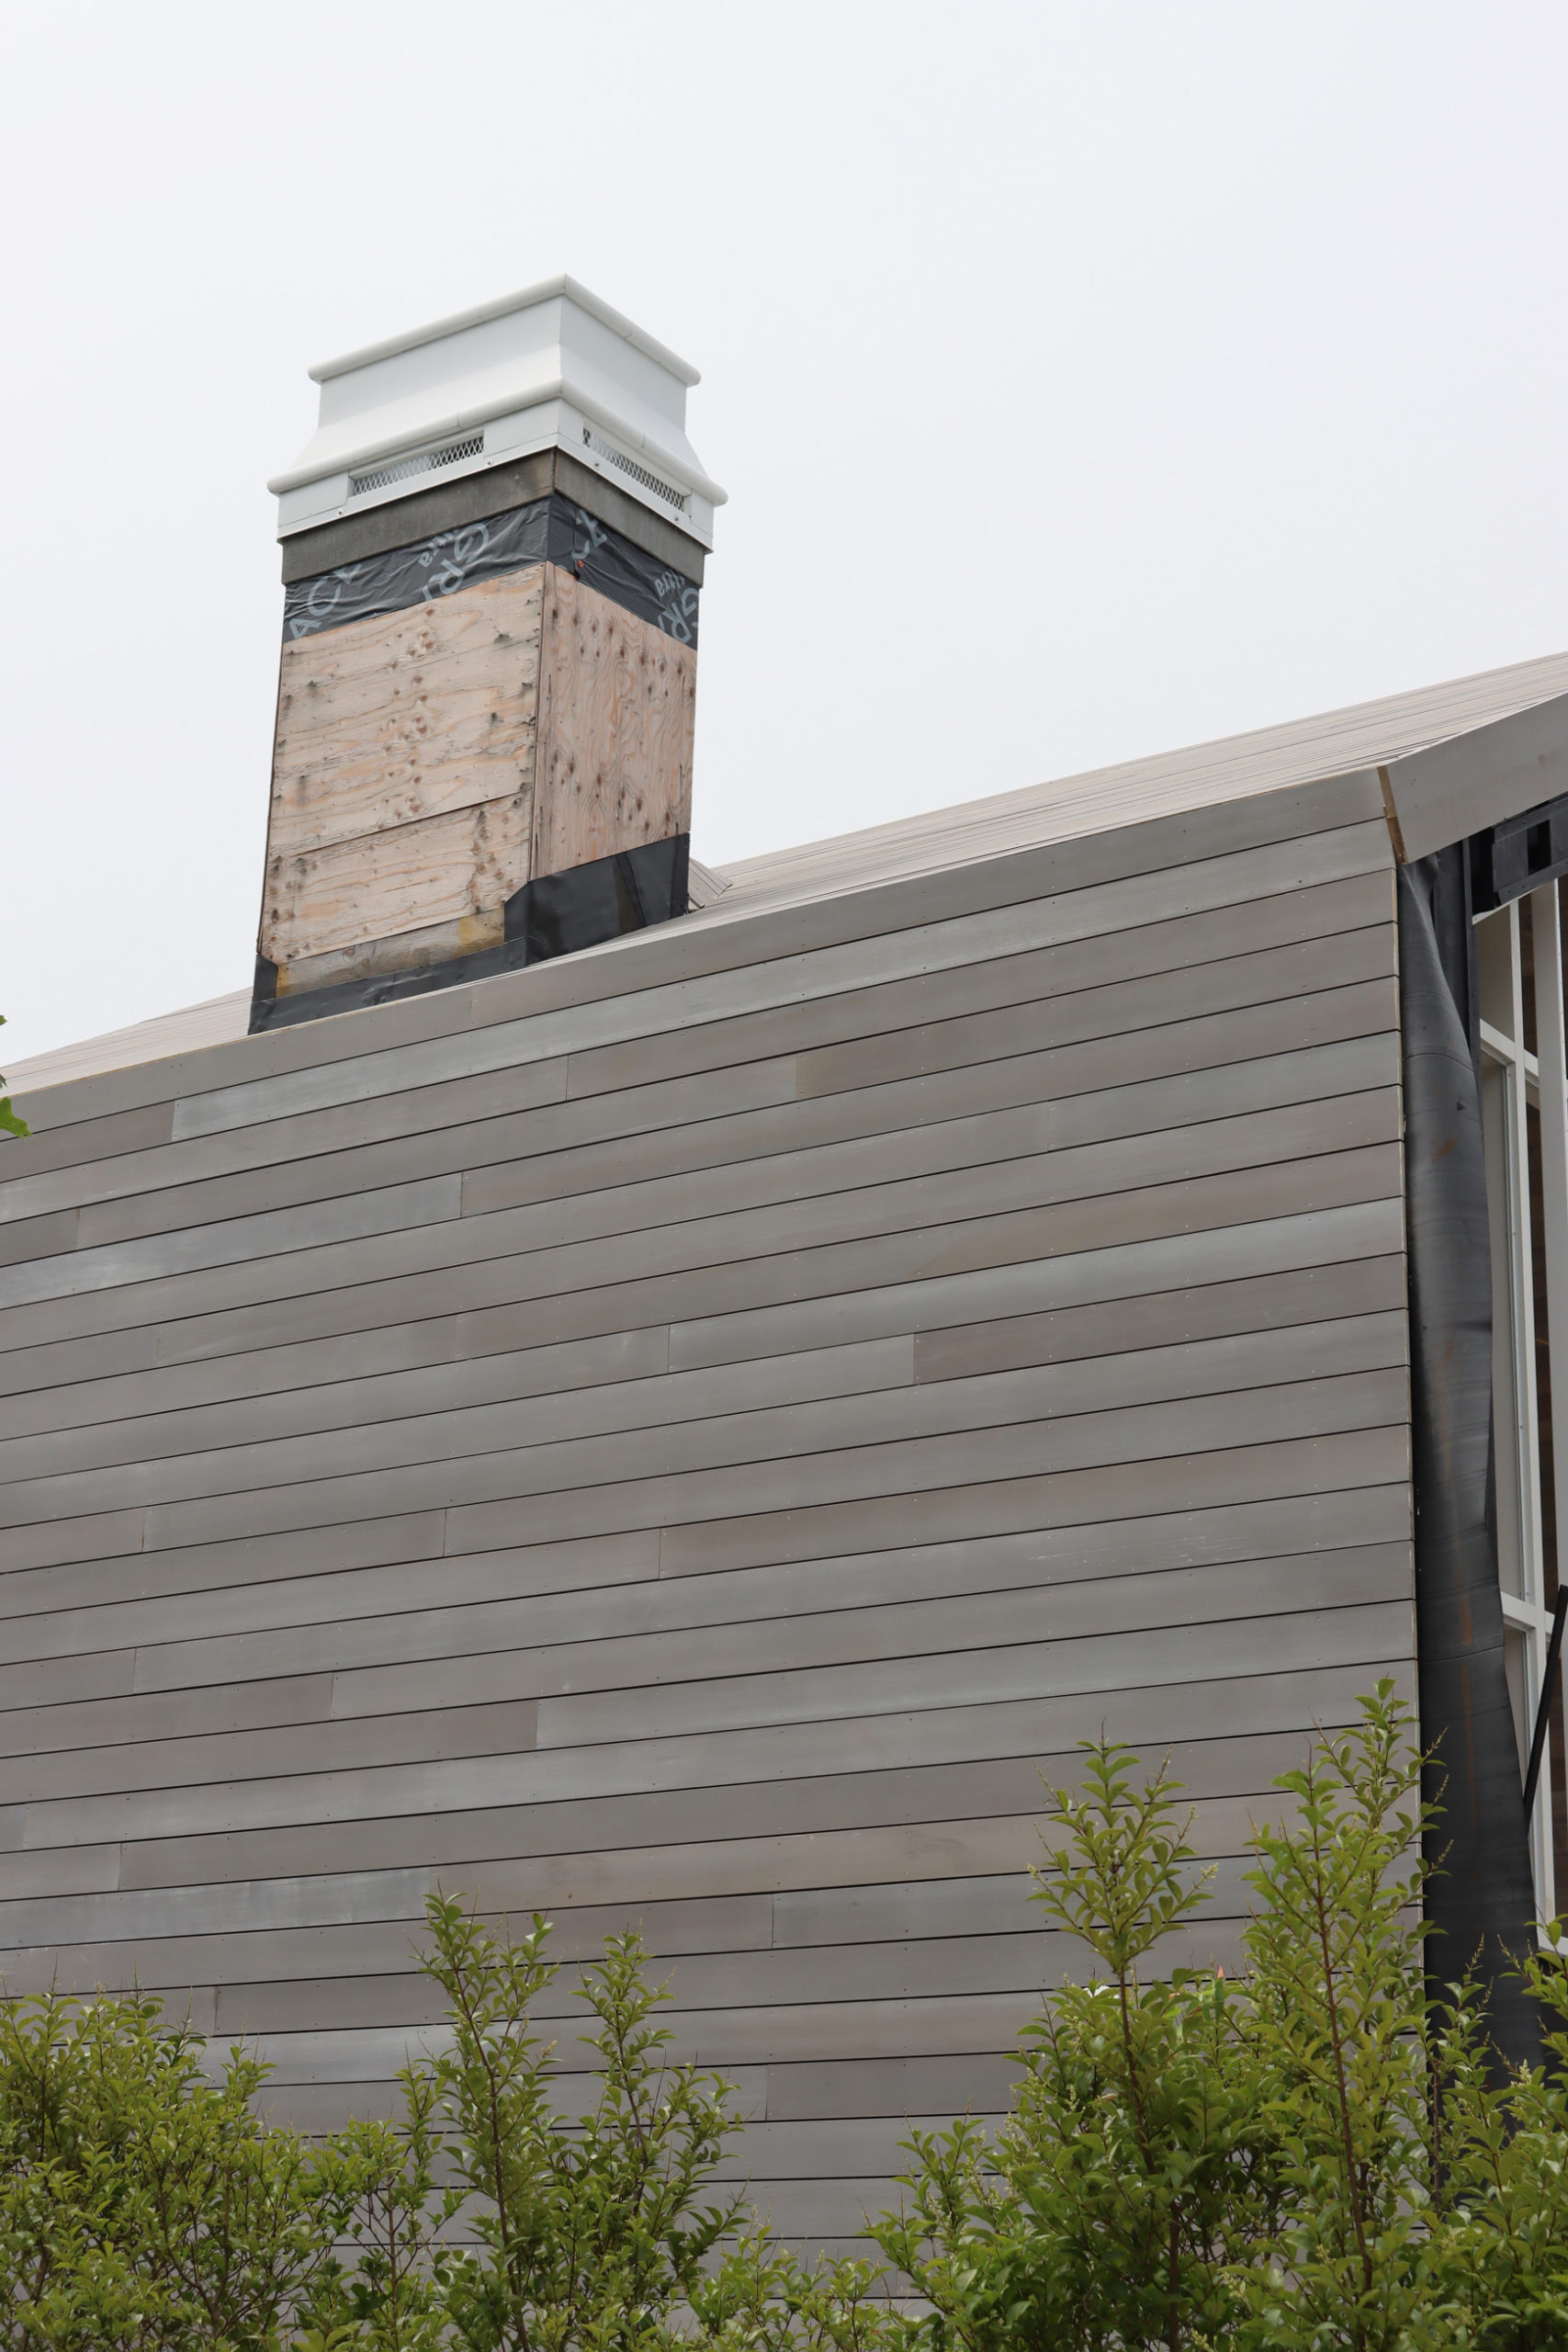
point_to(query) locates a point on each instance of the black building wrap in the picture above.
(1481, 1902)
(551, 530)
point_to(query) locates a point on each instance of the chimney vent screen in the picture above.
(623, 464)
(426, 461)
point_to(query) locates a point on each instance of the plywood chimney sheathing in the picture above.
(494, 551)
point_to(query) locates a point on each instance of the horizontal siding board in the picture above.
(1080, 970)
(1270, 1183)
(1120, 1013)
(354, 1898)
(91, 1142)
(245, 1241)
(979, 2083)
(847, 909)
(1197, 1256)
(847, 1353)
(462, 1124)
(1345, 1070)
(787, 1404)
(287, 1646)
(660, 1671)
(96, 1674)
(194, 1594)
(1352, 1459)
(1244, 1703)
(426, 1235)
(918, 1440)
(607, 1360)
(1027, 1032)
(679, 1631)
(61, 1593)
(49, 1359)
(606, 1367)
(68, 1870)
(1366, 1287)
(315, 1744)
(1315, 1074)
(845, 2148)
(66, 1540)
(753, 2007)
(497, 1600)
(1107, 1661)
(603, 1887)
(545, 1300)
(789, 1829)
(789, 2034)
(107, 1724)
(41, 1236)
(716, 1982)
(1155, 895)
(630, 1410)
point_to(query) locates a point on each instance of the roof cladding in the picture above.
(1203, 776)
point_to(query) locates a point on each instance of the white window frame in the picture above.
(1541, 1078)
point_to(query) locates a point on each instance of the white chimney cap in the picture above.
(550, 366)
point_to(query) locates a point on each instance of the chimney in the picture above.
(492, 548)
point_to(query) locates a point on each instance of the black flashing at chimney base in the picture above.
(558, 915)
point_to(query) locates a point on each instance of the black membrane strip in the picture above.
(1481, 1902)
(1519, 854)
(558, 915)
(562, 913)
(549, 530)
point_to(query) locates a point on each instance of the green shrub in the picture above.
(1312, 2154)
(11, 1121)
(141, 2204)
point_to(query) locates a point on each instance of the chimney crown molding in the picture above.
(552, 365)
(525, 298)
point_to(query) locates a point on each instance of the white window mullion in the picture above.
(1551, 1056)
(1515, 1418)
(1551, 1053)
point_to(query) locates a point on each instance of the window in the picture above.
(1525, 1123)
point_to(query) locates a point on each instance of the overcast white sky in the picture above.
(1086, 379)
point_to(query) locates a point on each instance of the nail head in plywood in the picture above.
(617, 726)
(408, 715)
(459, 864)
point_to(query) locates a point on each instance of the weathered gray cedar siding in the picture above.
(687, 1434)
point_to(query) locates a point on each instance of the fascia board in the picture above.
(1453, 788)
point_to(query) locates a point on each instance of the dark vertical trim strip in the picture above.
(1481, 1903)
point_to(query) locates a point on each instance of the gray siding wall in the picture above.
(688, 1435)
